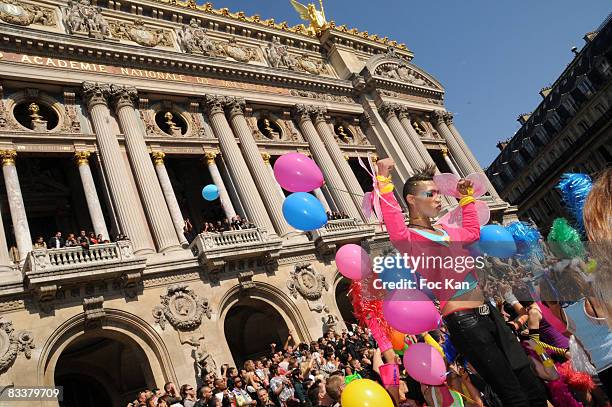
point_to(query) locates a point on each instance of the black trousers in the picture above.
(489, 345)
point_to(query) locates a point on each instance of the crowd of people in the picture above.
(84, 240)
(235, 223)
(335, 215)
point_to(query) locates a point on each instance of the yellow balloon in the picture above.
(365, 393)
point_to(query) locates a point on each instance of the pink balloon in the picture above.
(424, 364)
(297, 173)
(410, 312)
(353, 262)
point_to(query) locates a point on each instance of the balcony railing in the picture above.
(340, 231)
(215, 249)
(47, 269)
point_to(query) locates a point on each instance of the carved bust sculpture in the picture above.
(341, 132)
(173, 129)
(268, 130)
(38, 122)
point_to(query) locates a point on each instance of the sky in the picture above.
(492, 56)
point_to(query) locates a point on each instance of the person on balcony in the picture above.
(56, 242)
(93, 239)
(83, 240)
(39, 243)
(71, 241)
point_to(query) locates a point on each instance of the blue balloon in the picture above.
(210, 192)
(496, 241)
(303, 211)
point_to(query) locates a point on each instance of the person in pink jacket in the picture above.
(476, 329)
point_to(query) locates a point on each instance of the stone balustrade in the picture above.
(214, 250)
(45, 270)
(340, 231)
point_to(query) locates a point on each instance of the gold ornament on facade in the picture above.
(210, 156)
(158, 157)
(444, 151)
(309, 12)
(8, 157)
(82, 157)
(266, 158)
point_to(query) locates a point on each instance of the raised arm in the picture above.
(392, 214)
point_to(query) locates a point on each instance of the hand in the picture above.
(463, 185)
(384, 167)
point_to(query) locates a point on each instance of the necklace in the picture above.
(421, 226)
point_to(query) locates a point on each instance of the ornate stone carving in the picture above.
(194, 40)
(94, 310)
(437, 116)
(278, 55)
(140, 33)
(403, 72)
(321, 96)
(72, 121)
(309, 284)
(343, 134)
(387, 109)
(238, 52)
(95, 93)
(12, 343)
(182, 308)
(448, 118)
(81, 17)
(19, 13)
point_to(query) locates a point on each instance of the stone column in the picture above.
(261, 174)
(449, 162)
(226, 202)
(266, 159)
(16, 206)
(173, 206)
(404, 118)
(388, 112)
(465, 167)
(448, 118)
(321, 156)
(344, 169)
(250, 196)
(91, 195)
(123, 198)
(146, 179)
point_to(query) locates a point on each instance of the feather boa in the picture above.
(367, 308)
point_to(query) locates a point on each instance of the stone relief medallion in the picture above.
(14, 12)
(140, 34)
(238, 52)
(310, 66)
(309, 284)
(11, 344)
(182, 308)
(404, 73)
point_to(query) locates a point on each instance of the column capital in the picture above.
(387, 109)
(403, 113)
(448, 118)
(214, 104)
(302, 112)
(366, 120)
(8, 157)
(210, 156)
(266, 158)
(95, 93)
(346, 157)
(82, 157)
(319, 114)
(235, 106)
(374, 158)
(123, 95)
(158, 157)
(437, 116)
(444, 151)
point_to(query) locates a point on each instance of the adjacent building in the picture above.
(114, 116)
(570, 131)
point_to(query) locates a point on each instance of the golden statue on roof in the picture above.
(310, 13)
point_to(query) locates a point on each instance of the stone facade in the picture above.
(131, 87)
(569, 131)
